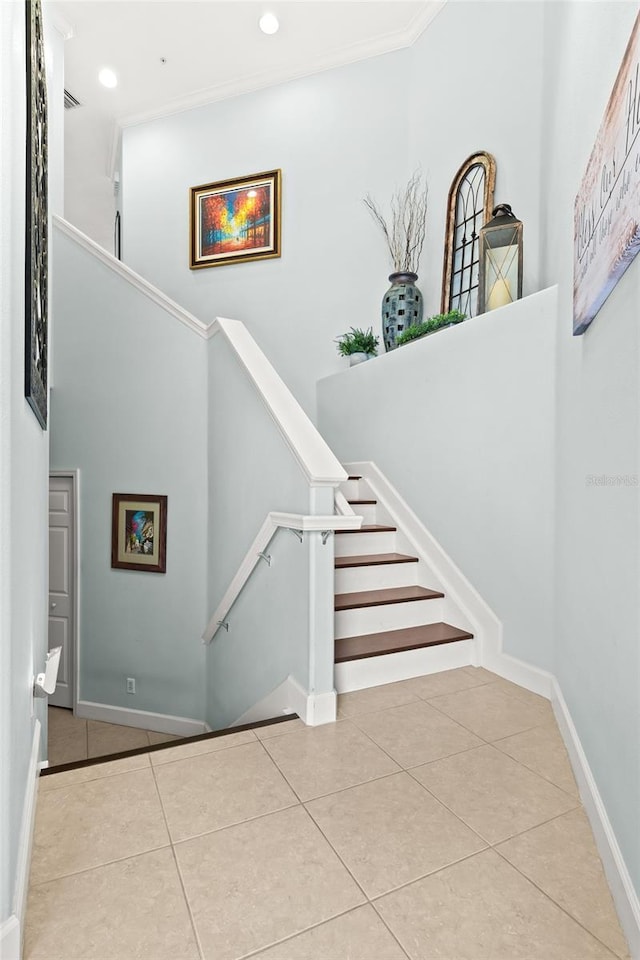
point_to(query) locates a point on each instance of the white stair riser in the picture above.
(390, 616)
(351, 489)
(365, 510)
(373, 671)
(353, 579)
(359, 544)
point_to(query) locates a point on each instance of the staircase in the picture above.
(392, 619)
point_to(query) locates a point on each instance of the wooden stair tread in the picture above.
(373, 560)
(378, 598)
(362, 502)
(396, 641)
(370, 528)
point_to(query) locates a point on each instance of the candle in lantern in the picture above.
(500, 294)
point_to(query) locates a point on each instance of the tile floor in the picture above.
(71, 738)
(438, 818)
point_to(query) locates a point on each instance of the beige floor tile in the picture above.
(214, 790)
(106, 738)
(481, 675)
(67, 749)
(494, 794)
(391, 831)
(94, 772)
(133, 909)
(448, 681)
(483, 909)
(279, 729)
(358, 935)
(62, 722)
(492, 713)
(259, 882)
(527, 696)
(542, 750)
(561, 858)
(321, 760)
(186, 750)
(154, 737)
(88, 824)
(416, 733)
(375, 698)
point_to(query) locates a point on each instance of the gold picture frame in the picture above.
(235, 221)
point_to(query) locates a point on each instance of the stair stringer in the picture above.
(463, 605)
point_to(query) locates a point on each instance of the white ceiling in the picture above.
(213, 49)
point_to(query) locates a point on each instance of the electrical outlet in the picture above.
(131, 685)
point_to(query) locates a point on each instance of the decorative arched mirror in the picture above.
(469, 208)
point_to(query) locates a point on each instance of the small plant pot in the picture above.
(358, 358)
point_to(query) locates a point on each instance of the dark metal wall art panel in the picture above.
(36, 221)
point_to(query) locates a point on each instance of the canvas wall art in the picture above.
(235, 221)
(607, 207)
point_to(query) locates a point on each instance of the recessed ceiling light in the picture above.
(108, 78)
(269, 23)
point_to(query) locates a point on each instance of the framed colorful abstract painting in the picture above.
(234, 221)
(139, 532)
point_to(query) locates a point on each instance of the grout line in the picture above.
(195, 756)
(555, 902)
(179, 872)
(97, 866)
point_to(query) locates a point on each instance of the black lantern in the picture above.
(500, 280)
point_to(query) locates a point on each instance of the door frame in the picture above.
(74, 476)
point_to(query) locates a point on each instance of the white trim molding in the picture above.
(12, 929)
(142, 719)
(316, 459)
(352, 53)
(147, 289)
(621, 886)
(290, 697)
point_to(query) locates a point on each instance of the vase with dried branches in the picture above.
(404, 232)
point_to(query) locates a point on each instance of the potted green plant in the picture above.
(423, 329)
(358, 345)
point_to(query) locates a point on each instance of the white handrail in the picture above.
(205, 330)
(317, 460)
(291, 521)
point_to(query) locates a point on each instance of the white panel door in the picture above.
(61, 585)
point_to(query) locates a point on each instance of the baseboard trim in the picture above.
(142, 719)
(10, 939)
(518, 671)
(290, 697)
(11, 931)
(621, 886)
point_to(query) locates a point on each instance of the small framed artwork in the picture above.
(235, 221)
(139, 532)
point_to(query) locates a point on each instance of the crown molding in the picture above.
(355, 52)
(58, 22)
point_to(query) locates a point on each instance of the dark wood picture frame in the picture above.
(139, 532)
(36, 219)
(252, 204)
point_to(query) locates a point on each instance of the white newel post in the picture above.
(321, 703)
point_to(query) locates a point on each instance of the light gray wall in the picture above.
(598, 569)
(129, 409)
(251, 473)
(336, 136)
(462, 424)
(475, 84)
(23, 465)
